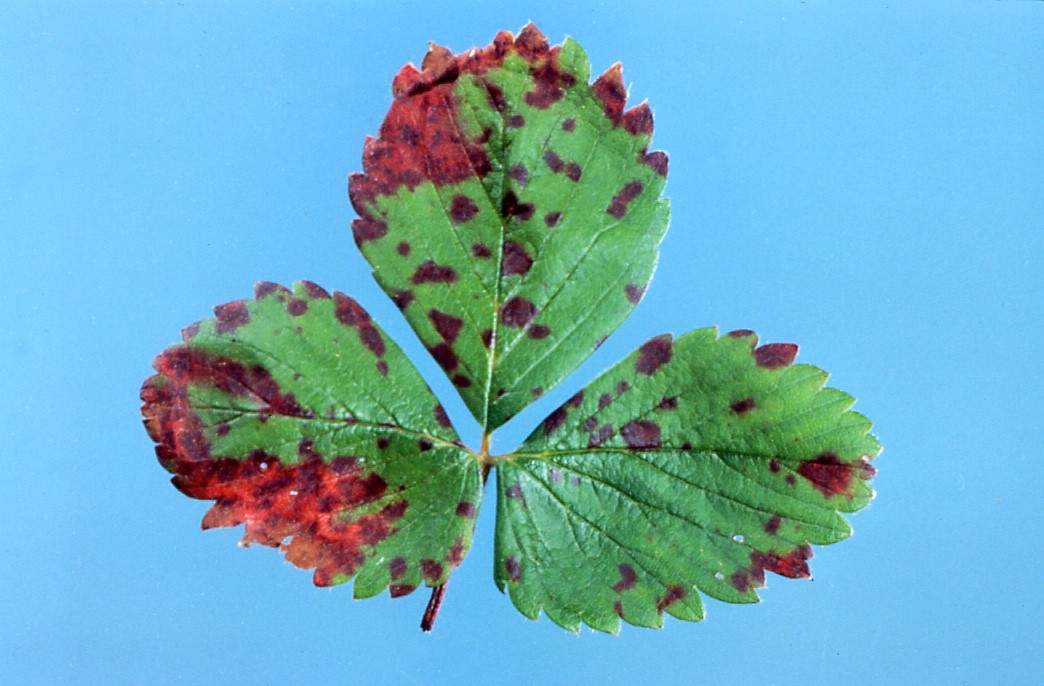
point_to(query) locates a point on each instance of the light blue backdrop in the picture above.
(865, 181)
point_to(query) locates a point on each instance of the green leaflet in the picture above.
(301, 419)
(693, 464)
(513, 212)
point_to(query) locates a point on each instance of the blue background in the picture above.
(865, 181)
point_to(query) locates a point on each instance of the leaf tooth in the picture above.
(610, 89)
(408, 78)
(532, 40)
(437, 59)
(638, 120)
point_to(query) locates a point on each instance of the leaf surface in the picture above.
(308, 425)
(512, 211)
(693, 464)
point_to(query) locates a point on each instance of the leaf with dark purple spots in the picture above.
(512, 211)
(235, 412)
(700, 499)
(476, 186)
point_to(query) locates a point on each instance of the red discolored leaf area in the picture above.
(304, 502)
(421, 139)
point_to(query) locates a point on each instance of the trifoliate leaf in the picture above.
(692, 465)
(513, 212)
(305, 422)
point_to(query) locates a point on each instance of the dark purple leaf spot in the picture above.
(222, 429)
(516, 260)
(462, 209)
(772, 525)
(456, 552)
(538, 331)
(634, 293)
(742, 406)
(231, 316)
(657, 160)
(573, 171)
(513, 569)
(686, 446)
(673, 595)
(382, 442)
(296, 307)
(402, 299)
(741, 333)
(627, 579)
(553, 161)
(775, 355)
(622, 387)
(554, 420)
(791, 479)
(466, 510)
(461, 381)
(429, 272)
(446, 325)
(537, 392)
(551, 219)
(511, 207)
(441, 418)
(589, 424)
(487, 337)
(515, 121)
(263, 289)
(367, 228)
(517, 312)
(431, 569)
(610, 89)
(549, 82)
(403, 248)
(481, 251)
(653, 355)
(638, 120)
(520, 174)
(569, 124)
(828, 474)
(603, 434)
(496, 96)
(604, 400)
(400, 590)
(315, 291)
(514, 491)
(618, 207)
(445, 356)
(397, 568)
(641, 434)
(577, 399)
(774, 465)
(618, 608)
(669, 403)
(424, 445)
(382, 367)
(793, 565)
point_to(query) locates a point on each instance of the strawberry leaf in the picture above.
(513, 212)
(303, 421)
(699, 463)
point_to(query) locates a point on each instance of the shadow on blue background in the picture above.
(865, 182)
